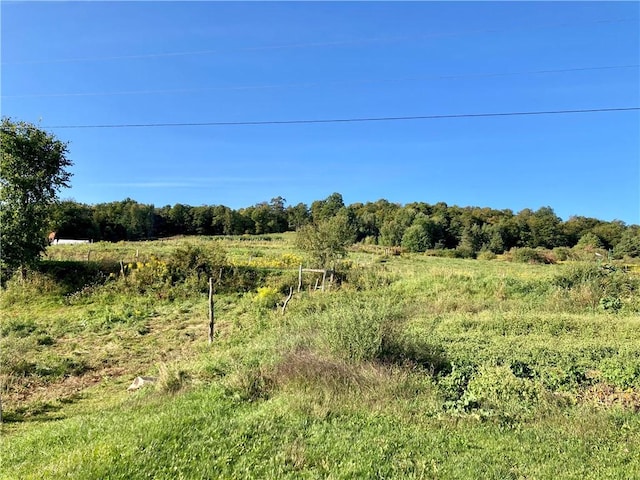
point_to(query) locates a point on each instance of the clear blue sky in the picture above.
(99, 63)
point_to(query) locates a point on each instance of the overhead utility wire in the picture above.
(349, 120)
(309, 44)
(314, 84)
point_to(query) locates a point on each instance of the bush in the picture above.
(416, 239)
(530, 255)
(356, 331)
(497, 392)
(577, 274)
(629, 244)
(267, 297)
(197, 263)
(621, 371)
(486, 255)
(148, 275)
(604, 286)
(562, 253)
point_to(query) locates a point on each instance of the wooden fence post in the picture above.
(300, 278)
(211, 317)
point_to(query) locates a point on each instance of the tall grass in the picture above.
(420, 367)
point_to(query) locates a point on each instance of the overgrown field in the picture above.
(408, 366)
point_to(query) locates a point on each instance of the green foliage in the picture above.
(607, 286)
(529, 255)
(322, 210)
(69, 219)
(171, 379)
(460, 359)
(629, 244)
(267, 297)
(196, 263)
(621, 370)
(356, 331)
(576, 274)
(418, 225)
(419, 237)
(589, 240)
(496, 391)
(125, 220)
(326, 241)
(486, 255)
(33, 169)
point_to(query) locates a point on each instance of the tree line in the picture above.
(416, 227)
(34, 167)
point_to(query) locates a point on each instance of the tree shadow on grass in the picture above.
(72, 276)
(35, 412)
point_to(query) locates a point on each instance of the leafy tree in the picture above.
(202, 220)
(32, 171)
(577, 226)
(125, 220)
(181, 219)
(327, 241)
(297, 216)
(327, 208)
(420, 236)
(589, 241)
(629, 244)
(71, 219)
(545, 228)
(610, 232)
(472, 240)
(393, 228)
(219, 217)
(279, 221)
(415, 239)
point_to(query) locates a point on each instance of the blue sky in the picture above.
(117, 63)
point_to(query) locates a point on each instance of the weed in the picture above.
(171, 379)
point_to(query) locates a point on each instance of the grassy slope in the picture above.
(410, 380)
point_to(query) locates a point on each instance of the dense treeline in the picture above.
(416, 227)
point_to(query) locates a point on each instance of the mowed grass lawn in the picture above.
(414, 367)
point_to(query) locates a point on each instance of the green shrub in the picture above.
(267, 297)
(416, 239)
(576, 274)
(530, 255)
(621, 371)
(486, 255)
(454, 384)
(604, 286)
(629, 244)
(153, 274)
(497, 392)
(355, 331)
(611, 304)
(197, 263)
(562, 253)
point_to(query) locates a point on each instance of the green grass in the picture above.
(416, 367)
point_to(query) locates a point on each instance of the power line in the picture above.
(349, 120)
(318, 84)
(311, 44)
